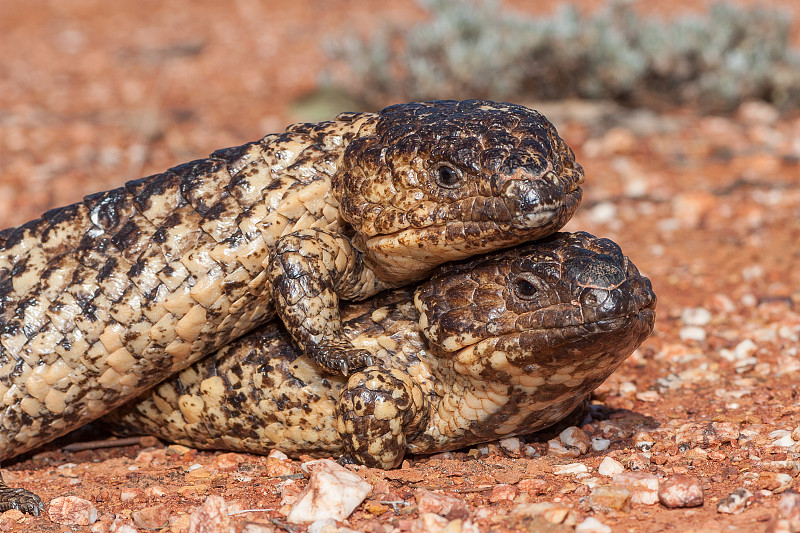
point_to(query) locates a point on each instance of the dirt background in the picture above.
(94, 93)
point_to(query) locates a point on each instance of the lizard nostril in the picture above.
(594, 297)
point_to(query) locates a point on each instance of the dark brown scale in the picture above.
(170, 267)
(392, 408)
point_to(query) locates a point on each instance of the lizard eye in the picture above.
(448, 176)
(525, 289)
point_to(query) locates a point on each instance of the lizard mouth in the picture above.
(414, 251)
(581, 351)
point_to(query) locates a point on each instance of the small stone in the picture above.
(681, 491)
(323, 525)
(153, 517)
(757, 112)
(332, 492)
(692, 333)
(789, 507)
(643, 486)
(774, 481)
(72, 511)
(440, 503)
(609, 498)
(511, 446)
(600, 444)
(531, 452)
(276, 466)
(603, 213)
(227, 462)
(120, 525)
(649, 396)
(572, 468)
(610, 428)
(433, 523)
(558, 449)
(553, 513)
(532, 486)
(637, 461)
(257, 528)
(625, 389)
(576, 438)
(11, 519)
(127, 495)
(610, 467)
(179, 449)
(592, 525)
(643, 441)
(734, 503)
(278, 455)
(785, 441)
(706, 435)
(503, 492)
(211, 516)
(696, 316)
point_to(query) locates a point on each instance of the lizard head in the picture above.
(430, 182)
(548, 320)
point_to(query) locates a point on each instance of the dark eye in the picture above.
(524, 289)
(448, 176)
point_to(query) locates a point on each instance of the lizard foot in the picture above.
(336, 360)
(20, 499)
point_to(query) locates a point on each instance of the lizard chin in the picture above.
(411, 254)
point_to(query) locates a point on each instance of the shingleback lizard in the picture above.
(102, 299)
(495, 346)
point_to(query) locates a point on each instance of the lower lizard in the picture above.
(497, 346)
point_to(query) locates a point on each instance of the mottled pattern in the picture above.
(102, 299)
(501, 345)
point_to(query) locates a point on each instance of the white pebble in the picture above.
(511, 445)
(332, 492)
(576, 437)
(610, 467)
(696, 316)
(600, 444)
(592, 525)
(318, 526)
(572, 468)
(603, 213)
(643, 486)
(692, 333)
(784, 442)
(72, 511)
(648, 396)
(735, 503)
(277, 454)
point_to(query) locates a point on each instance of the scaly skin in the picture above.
(103, 299)
(496, 346)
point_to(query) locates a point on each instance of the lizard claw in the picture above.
(339, 361)
(20, 499)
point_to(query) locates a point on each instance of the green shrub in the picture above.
(476, 49)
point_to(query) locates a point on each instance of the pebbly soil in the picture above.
(94, 93)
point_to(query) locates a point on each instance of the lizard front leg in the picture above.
(377, 410)
(309, 272)
(20, 499)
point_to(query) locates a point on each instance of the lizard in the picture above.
(491, 347)
(102, 299)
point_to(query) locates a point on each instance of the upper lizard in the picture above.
(492, 347)
(104, 298)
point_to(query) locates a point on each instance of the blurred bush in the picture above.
(476, 49)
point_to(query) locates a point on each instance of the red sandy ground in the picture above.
(94, 93)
